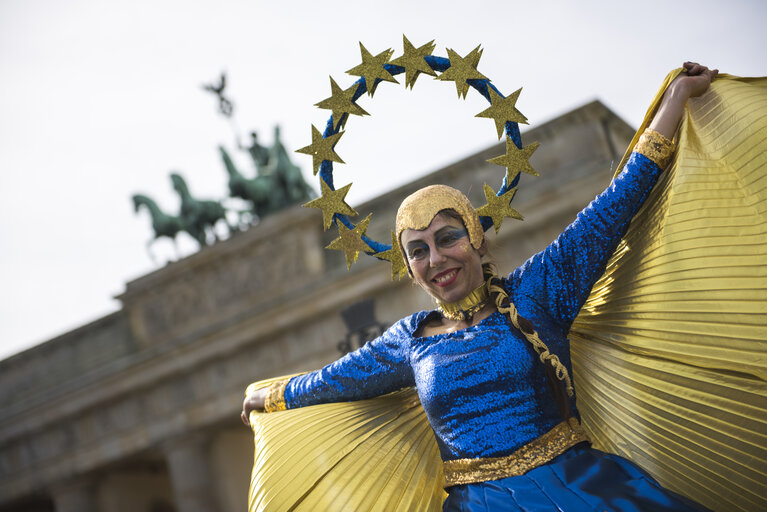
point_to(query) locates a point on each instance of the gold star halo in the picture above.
(515, 159)
(394, 256)
(350, 241)
(372, 68)
(321, 149)
(502, 110)
(340, 103)
(497, 207)
(462, 69)
(331, 202)
(413, 61)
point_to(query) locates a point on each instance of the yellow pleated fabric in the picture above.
(371, 455)
(669, 352)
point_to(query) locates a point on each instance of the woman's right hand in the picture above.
(254, 401)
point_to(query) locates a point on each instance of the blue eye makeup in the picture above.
(448, 236)
(445, 237)
(416, 250)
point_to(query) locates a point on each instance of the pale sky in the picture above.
(101, 100)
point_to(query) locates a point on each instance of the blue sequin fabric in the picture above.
(484, 391)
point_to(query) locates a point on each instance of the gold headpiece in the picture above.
(419, 209)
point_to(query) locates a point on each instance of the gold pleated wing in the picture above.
(670, 351)
(370, 455)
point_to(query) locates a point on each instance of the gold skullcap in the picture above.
(419, 209)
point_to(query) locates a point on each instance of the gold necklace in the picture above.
(466, 308)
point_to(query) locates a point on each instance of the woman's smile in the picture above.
(446, 278)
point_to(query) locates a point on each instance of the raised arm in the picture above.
(380, 366)
(561, 276)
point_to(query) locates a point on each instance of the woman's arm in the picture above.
(379, 367)
(562, 275)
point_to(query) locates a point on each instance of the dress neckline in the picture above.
(435, 312)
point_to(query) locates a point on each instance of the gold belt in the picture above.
(533, 454)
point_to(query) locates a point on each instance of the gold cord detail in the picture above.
(275, 398)
(506, 306)
(466, 308)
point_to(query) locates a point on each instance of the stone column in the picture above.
(75, 496)
(190, 474)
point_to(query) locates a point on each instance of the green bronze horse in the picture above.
(290, 181)
(199, 217)
(164, 225)
(260, 191)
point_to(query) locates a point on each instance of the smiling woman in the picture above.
(492, 364)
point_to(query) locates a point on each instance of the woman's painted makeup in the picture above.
(445, 237)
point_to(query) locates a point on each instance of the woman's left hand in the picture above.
(696, 80)
(687, 85)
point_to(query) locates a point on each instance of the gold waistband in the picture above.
(530, 456)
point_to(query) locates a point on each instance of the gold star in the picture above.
(503, 109)
(497, 207)
(350, 241)
(394, 256)
(372, 68)
(321, 148)
(515, 159)
(474, 56)
(340, 103)
(462, 69)
(331, 202)
(413, 61)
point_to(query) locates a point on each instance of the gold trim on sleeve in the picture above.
(275, 397)
(656, 147)
(530, 456)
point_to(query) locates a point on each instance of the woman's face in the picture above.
(442, 259)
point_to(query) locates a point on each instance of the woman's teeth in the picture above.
(445, 277)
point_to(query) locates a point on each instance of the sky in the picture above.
(102, 100)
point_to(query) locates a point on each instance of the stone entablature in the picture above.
(30, 377)
(175, 360)
(204, 292)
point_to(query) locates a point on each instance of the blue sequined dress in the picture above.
(486, 394)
